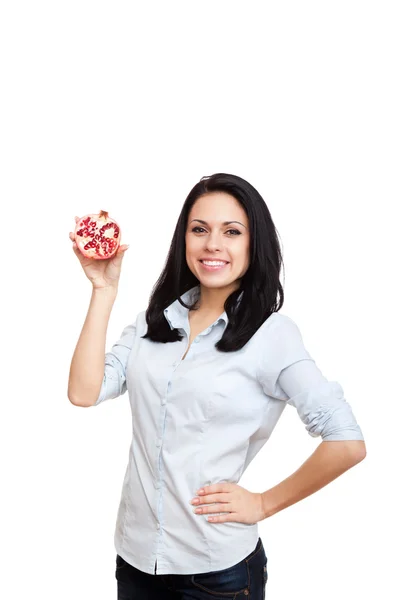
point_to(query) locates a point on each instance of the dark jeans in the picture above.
(245, 580)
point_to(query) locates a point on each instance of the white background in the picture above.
(124, 106)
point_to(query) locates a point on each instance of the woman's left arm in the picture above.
(321, 406)
(328, 461)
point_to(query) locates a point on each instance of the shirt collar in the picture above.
(177, 315)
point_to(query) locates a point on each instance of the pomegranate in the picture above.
(97, 236)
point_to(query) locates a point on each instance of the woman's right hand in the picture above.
(101, 273)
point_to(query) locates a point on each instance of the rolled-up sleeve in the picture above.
(115, 362)
(289, 373)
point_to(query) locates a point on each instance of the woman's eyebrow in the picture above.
(224, 223)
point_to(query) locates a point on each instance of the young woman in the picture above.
(209, 368)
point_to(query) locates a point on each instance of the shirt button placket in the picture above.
(158, 445)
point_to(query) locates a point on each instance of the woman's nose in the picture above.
(214, 243)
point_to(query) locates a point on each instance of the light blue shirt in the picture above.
(200, 421)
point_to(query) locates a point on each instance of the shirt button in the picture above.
(158, 443)
(158, 525)
(196, 340)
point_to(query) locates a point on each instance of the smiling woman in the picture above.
(209, 367)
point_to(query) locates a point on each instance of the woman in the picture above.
(209, 368)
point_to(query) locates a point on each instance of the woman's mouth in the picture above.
(212, 265)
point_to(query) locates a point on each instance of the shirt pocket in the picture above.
(235, 397)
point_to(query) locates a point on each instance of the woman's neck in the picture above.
(211, 301)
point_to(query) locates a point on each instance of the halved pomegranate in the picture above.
(97, 236)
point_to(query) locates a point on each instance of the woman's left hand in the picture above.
(236, 502)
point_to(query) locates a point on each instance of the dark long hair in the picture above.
(262, 290)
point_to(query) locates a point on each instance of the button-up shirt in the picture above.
(201, 421)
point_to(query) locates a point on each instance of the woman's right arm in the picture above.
(87, 365)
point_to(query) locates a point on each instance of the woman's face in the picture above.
(209, 237)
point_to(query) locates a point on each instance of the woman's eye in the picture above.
(234, 230)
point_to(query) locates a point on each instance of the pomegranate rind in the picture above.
(98, 236)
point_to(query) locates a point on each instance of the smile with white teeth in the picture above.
(213, 263)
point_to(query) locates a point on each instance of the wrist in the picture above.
(105, 291)
(268, 506)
